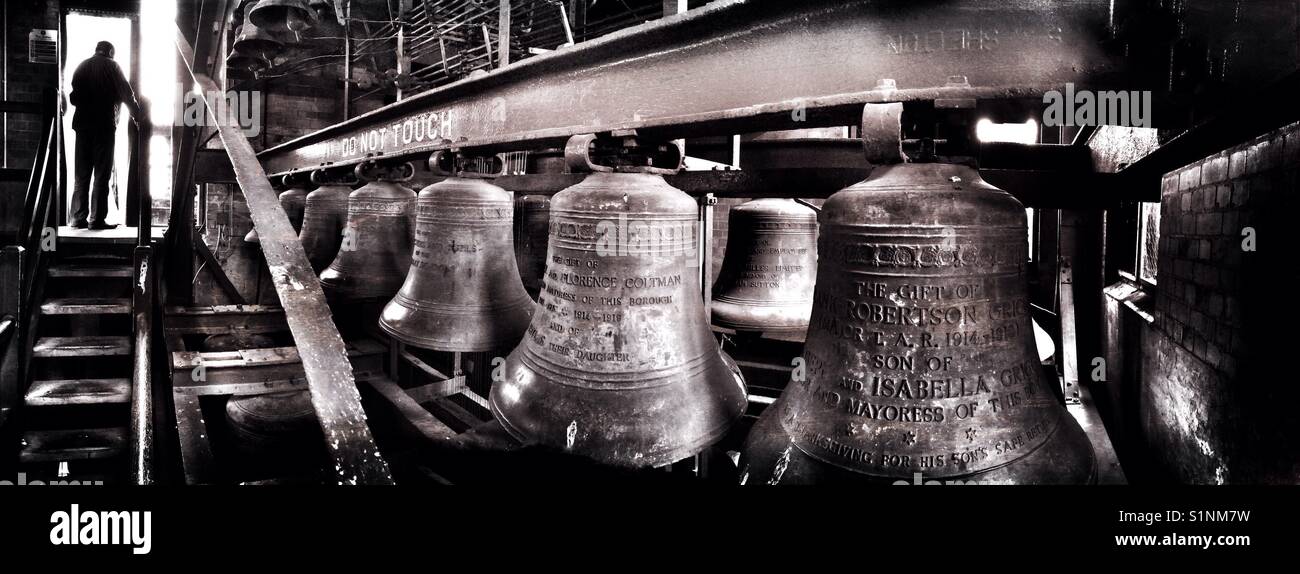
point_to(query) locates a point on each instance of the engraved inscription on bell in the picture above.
(768, 273)
(375, 251)
(619, 363)
(920, 354)
(463, 291)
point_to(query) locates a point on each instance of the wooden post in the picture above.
(1069, 335)
(503, 35)
(11, 301)
(705, 248)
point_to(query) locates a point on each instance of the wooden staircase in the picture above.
(76, 407)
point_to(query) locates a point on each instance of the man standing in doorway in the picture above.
(98, 91)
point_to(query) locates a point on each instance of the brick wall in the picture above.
(27, 83)
(1219, 392)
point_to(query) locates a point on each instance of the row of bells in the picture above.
(765, 283)
(919, 355)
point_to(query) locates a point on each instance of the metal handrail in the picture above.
(143, 303)
(8, 326)
(38, 189)
(21, 262)
(143, 130)
(141, 429)
(39, 209)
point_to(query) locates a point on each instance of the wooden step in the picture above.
(121, 235)
(86, 306)
(72, 444)
(54, 393)
(96, 268)
(95, 346)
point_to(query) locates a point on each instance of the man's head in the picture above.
(104, 48)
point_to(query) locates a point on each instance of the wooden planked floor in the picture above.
(121, 234)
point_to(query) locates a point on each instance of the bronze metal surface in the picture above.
(375, 252)
(280, 15)
(770, 267)
(619, 364)
(293, 201)
(920, 357)
(263, 424)
(254, 40)
(463, 292)
(325, 214)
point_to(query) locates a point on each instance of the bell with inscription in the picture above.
(463, 292)
(619, 364)
(532, 224)
(920, 360)
(325, 214)
(293, 201)
(375, 250)
(770, 267)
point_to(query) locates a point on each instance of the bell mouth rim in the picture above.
(658, 459)
(782, 321)
(448, 346)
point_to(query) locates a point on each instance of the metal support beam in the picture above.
(1055, 189)
(334, 395)
(735, 66)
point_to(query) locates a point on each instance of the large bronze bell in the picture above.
(463, 292)
(279, 15)
(265, 425)
(325, 214)
(532, 224)
(253, 40)
(272, 424)
(920, 360)
(619, 364)
(238, 60)
(294, 202)
(375, 252)
(770, 267)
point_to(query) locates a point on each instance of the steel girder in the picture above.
(736, 66)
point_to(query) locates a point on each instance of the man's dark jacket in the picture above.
(98, 90)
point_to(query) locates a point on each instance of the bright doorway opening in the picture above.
(83, 32)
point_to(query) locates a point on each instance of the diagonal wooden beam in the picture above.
(334, 395)
(214, 267)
